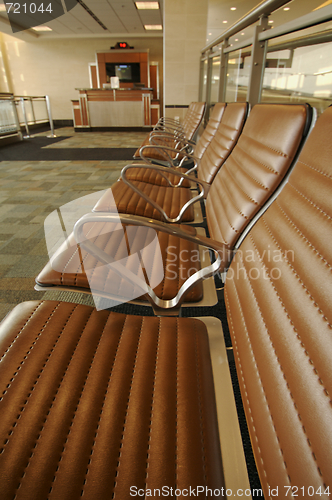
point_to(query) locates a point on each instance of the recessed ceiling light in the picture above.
(233, 8)
(153, 27)
(42, 28)
(210, 34)
(3, 8)
(286, 8)
(147, 5)
(242, 33)
(236, 39)
(270, 22)
(224, 22)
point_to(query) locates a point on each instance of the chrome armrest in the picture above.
(223, 254)
(202, 194)
(164, 151)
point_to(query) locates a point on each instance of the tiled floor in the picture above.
(29, 191)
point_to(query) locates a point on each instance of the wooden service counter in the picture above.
(98, 108)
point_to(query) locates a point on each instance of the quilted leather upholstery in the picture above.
(257, 165)
(223, 142)
(93, 403)
(121, 198)
(278, 301)
(75, 268)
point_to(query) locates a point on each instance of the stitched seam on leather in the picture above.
(19, 333)
(231, 324)
(276, 355)
(257, 161)
(109, 270)
(261, 144)
(199, 393)
(104, 400)
(77, 405)
(70, 259)
(34, 385)
(251, 177)
(311, 202)
(127, 408)
(30, 348)
(233, 203)
(295, 273)
(303, 236)
(229, 172)
(315, 169)
(152, 406)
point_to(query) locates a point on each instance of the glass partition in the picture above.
(238, 73)
(215, 79)
(303, 74)
(204, 66)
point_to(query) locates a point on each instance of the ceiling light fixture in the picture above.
(147, 5)
(153, 27)
(271, 22)
(286, 8)
(233, 8)
(236, 39)
(224, 22)
(242, 33)
(42, 28)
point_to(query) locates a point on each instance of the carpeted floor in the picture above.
(39, 175)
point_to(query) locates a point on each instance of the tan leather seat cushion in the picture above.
(149, 176)
(74, 267)
(93, 403)
(121, 198)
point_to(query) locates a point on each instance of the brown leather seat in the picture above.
(94, 403)
(189, 126)
(155, 186)
(214, 146)
(152, 177)
(254, 170)
(269, 136)
(278, 299)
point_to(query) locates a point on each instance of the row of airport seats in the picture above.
(244, 169)
(98, 404)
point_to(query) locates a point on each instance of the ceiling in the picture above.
(91, 18)
(94, 18)
(221, 16)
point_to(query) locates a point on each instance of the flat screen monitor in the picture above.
(126, 72)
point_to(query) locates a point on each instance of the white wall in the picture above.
(55, 67)
(185, 36)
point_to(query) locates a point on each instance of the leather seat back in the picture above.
(210, 129)
(265, 151)
(223, 141)
(278, 298)
(193, 119)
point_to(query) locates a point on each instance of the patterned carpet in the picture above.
(31, 190)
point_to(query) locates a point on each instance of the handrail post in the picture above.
(25, 119)
(48, 106)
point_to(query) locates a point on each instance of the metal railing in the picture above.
(257, 47)
(9, 123)
(34, 110)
